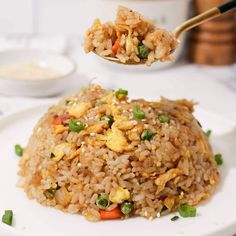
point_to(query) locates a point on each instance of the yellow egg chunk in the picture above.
(120, 195)
(116, 140)
(79, 109)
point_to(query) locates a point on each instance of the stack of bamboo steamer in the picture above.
(214, 42)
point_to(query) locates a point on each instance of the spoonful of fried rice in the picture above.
(133, 39)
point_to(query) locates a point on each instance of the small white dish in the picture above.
(36, 87)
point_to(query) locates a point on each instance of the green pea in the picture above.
(143, 51)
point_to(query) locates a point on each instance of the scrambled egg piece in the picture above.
(124, 124)
(108, 98)
(169, 202)
(60, 128)
(60, 150)
(79, 109)
(164, 178)
(120, 195)
(115, 140)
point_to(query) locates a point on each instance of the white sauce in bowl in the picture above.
(28, 71)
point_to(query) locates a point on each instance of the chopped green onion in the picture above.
(102, 202)
(75, 125)
(109, 119)
(174, 218)
(147, 135)
(143, 51)
(126, 207)
(7, 217)
(218, 159)
(164, 118)
(187, 211)
(18, 150)
(121, 93)
(52, 190)
(138, 113)
(50, 193)
(208, 133)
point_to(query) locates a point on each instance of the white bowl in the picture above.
(167, 14)
(36, 87)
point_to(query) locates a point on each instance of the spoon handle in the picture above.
(205, 16)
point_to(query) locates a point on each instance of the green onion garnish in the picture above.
(187, 211)
(109, 119)
(50, 193)
(174, 218)
(208, 133)
(19, 150)
(138, 113)
(121, 93)
(218, 159)
(75, 125)
(164, 118)
(126, 207)
(7, 217)
(147, 135)
(102, 202)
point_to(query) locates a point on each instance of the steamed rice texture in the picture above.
(68, 170)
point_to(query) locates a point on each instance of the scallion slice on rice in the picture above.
(137, 112)
(102, 202)
(75, 125)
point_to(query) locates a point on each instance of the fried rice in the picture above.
(117, 158)
(130, 38)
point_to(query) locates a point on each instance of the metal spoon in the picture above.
(187, 25)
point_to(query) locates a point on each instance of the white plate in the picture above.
(214, 217)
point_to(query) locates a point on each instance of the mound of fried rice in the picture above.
(175, 167)
(133, 30)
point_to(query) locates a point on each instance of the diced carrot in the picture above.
(109, 215)
(59, 120)
(116, 45)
